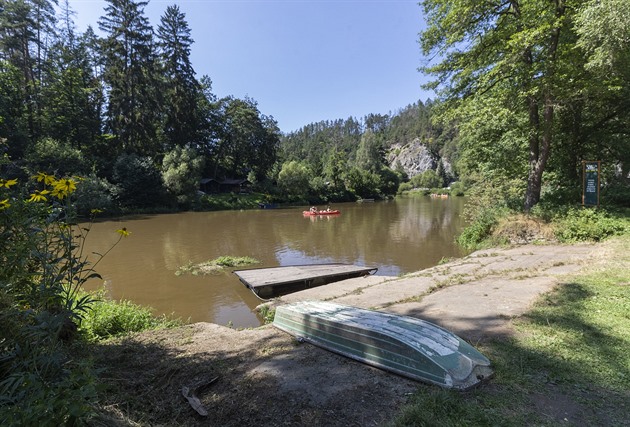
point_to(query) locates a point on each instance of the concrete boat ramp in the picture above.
(276, 281)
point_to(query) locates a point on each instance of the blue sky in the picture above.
(302, 61)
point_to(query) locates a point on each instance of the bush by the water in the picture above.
(499, 226)
(107, 318)
(481, 228)
(584, 224)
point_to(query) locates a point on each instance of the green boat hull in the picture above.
(404, 345)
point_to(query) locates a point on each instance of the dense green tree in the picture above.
(294, 180)
(516, 52)
(369, 155)
(335, 165)
(247, 141)
(181, 125)
(427, 179)
(13, 118)
(138, 182)
(362, 183)
(25, 26)
(409, 123)
(181, 173)
(603, 27)
(376, 123)
(604, 30)
(388, 181)
(313, 141)
(72, 96)
(130, 76)
(95, 193)
(55, 157)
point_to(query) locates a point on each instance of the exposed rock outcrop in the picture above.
(413, 157)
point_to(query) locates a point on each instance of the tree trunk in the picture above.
(539, 150)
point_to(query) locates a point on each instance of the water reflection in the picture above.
(397, 237)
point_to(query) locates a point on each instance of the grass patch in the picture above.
(498, 226)
(215, 266)
(569, 362)
(267, 313)
(107, 318)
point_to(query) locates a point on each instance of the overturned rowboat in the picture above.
(404, 345)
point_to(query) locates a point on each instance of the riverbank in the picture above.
(266, 377)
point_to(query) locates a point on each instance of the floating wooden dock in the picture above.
(276, 281)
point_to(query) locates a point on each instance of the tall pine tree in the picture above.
(181, 124)
(130, 76)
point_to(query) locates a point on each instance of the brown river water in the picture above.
(401, 236)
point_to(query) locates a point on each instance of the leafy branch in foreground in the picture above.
(215, 266)
(43, 269)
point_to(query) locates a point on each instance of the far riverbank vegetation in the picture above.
(118, 122)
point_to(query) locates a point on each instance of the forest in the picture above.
(125, 111)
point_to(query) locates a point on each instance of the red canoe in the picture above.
(309, 213)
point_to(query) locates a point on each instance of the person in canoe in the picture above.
(313, 210)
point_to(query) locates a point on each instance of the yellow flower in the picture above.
(63, 188)
(4, 204)
(39, 196)
(7, 182)
(67, 185)
(123, 232)
(45, 178)
(60, 194)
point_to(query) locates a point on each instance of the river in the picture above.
(401, 236)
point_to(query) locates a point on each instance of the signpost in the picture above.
(590, 187)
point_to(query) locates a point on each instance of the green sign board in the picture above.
(590, 188)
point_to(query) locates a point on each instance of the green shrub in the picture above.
(267, 313)
(457, 189)
(215, 266)
(616, 194)
(480, 229)
(56, 156)
(94, 194)
(108, 318)
(583, 224)
(427, 179)
(404, 187)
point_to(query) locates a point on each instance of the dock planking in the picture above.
(276, 281)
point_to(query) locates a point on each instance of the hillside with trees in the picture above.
(373, 155)
(124, 110)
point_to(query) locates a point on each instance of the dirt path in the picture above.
(265, 377)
